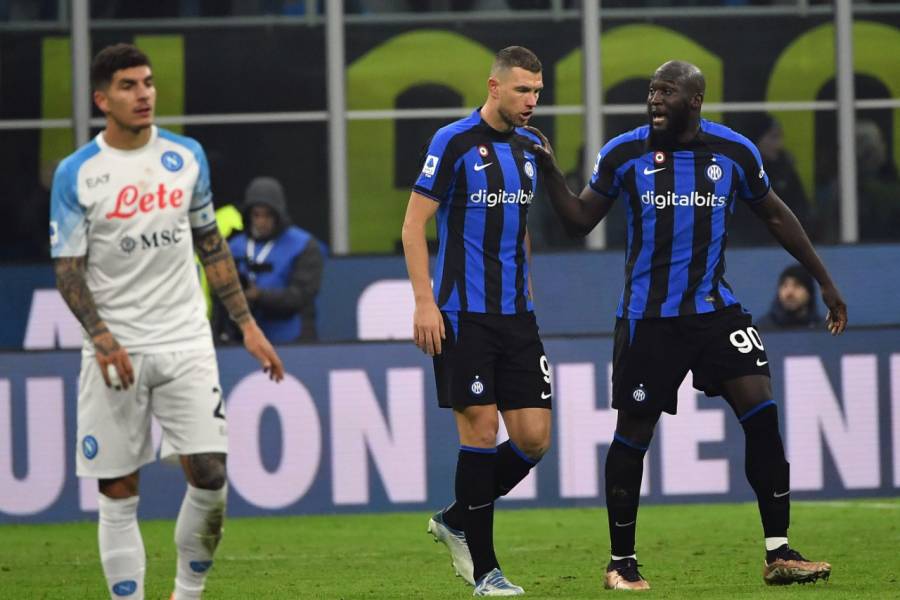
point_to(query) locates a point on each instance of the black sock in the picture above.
(767, 470)
(475, 472)
(454, 515)
(513, 466)
(624, 470)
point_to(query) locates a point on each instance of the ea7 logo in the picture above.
(93, 182)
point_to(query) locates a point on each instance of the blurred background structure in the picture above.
(336, 99)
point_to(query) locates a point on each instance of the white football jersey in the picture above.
(131, 213)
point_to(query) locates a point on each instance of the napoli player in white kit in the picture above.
(128, 210)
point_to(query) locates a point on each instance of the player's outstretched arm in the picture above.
(579, 214)
(428, 324)
(115, 366)
(223, 280)
(784, 227)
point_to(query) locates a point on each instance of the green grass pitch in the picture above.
(688, 551)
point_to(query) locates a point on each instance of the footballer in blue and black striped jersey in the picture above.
(680, 177)
(484, 185)
(679, 199)
(478, 181)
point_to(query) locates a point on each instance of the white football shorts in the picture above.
(181, 389)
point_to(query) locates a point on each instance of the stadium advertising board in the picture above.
(356, 428)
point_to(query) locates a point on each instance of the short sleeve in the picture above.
(606, 178)
(202, 211)
(754, 182)
(68, 220)
(439, 168)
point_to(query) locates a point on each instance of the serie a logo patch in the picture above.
(431, 163)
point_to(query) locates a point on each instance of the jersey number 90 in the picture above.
(745, 339)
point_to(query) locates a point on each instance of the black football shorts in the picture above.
(492, 359)
(651, 357)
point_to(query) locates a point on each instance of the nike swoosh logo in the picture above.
(624, 524)
(482, 167)
(545, 396)
(760, 363)
(479, 506)
(649, 171)
(781, 495)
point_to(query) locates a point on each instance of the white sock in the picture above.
(614, 557)
(197, 533)
(121, 547)
(773, 543)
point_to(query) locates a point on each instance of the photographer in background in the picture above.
(280, 266)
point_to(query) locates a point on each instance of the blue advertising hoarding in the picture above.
(355, 427)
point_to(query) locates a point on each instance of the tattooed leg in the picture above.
(205, 471)
(198, 529)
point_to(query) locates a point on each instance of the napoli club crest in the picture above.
(90, 447)
(171, 160)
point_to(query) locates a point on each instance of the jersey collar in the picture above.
(651, 143)
(485, 128)
(154, 133)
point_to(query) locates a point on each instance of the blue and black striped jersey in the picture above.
(484, 184)
(679, 201)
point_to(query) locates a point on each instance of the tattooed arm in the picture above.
(223, 280)
(70, 280)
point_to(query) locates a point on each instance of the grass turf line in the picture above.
(688, 551)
